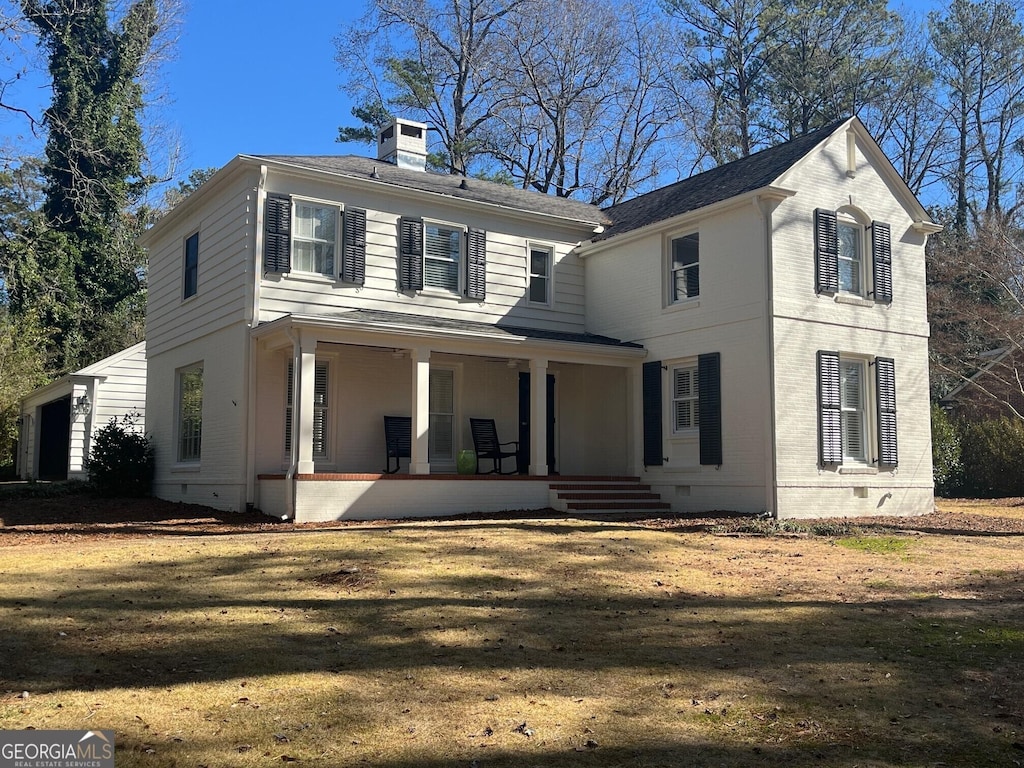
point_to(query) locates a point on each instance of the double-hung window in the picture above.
(684, 268)
(540, 274)
(190, 413)
(853, 415)
(685, 400)
(314, 237)
(443, 248)
(850, 389)
(852, 258)
(442, 257)
(851, 261)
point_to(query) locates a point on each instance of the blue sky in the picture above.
(257, 78)
(248, 77)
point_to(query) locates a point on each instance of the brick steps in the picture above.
(615, 496)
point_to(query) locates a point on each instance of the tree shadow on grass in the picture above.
(164, 621)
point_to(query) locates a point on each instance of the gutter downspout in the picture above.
(252, 314)
(765, 208)
(293, 458)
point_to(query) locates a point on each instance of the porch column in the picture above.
(538, 416)
(304, 395)
(419, 464)
(635, 420)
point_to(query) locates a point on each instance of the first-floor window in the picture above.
(856, 410)
(685, 400)
(442, 256)
(442, 415)
(320, 409)
(853, 416)
(190, 413)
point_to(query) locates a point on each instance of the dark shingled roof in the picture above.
(721, 183)
(429, 322)
(476, 190)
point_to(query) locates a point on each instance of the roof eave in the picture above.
(596, 223)
(768, 193)
(416, 333)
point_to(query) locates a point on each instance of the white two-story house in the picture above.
(751, 339)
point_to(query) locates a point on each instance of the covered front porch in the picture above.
(324, 385)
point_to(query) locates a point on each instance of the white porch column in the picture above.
(419, 464)
(538, 416)
(304, 397)
(635, 420)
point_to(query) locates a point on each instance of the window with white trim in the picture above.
(321, 429)
(314, 237)
(684, 267)
(853, 409)
(441, 447)
(685, 400)
(442, 255)
(189, 386)
(857, 419)
(851, 256)
(540, 274)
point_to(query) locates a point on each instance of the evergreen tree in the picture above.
(81, 268)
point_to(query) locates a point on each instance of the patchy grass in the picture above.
(521, 643)
(878, 545)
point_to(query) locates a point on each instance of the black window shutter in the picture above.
(830, 430)
(353, 247)
(476, 264)
(826, 251)
(885, 397)
(709, 394)
(652, 415)
(277, 236)
(410, 254)
(881, 257)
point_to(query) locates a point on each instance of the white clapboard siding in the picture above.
(226, 225)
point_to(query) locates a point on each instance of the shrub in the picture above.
(993, 458)
(947, 466)
(121, 459)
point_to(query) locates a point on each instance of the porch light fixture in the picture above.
(83, 405)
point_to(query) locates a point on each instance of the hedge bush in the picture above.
(121, 459)
(947, 464)
(992, 456)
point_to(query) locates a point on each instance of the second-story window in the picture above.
(191, 270)
(314, 237)
(851, 259)
(684, 270)
(540, 274)
(442, 256)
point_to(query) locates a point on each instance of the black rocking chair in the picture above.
(398, 440)
(485, 441)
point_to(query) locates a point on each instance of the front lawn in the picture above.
(521, 643)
